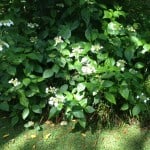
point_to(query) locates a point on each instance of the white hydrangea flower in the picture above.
(96, 48)
(88, 69)
(58, 40)
(55, 101)
(32, 25)
(15, 82)
(76, 52)
(121, 64)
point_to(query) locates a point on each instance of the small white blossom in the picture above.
(15, 82)
(33, 39)
(88, 69)
(96, 48)
(137, 96)
(121, 64)
(76, 52)
(58, 40)
(32, 25)
(50, 89)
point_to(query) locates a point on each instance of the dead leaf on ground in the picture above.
(33, 136)
(83, 134)
(6, 135)
(47, 136)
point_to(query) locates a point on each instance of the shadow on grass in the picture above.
(61, 138)
(7, 132)
(137, 142)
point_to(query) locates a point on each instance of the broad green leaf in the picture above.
(129, 53)
(26, 81)
(125, 107)
(107, 83)
(91, 34)
(136, 110)
(4, 106)
(55, 68)
(82, 122)
(89, 109)
(52, 112)
(48, 73)
(107, 14)
(85, 13)
(81, 87)
(124, 91)
(23, 100)
(78, 114)
(37, 109)
(11, 70)
(64, 88)
(25, 113)
(139, 65)
(65, 31)
(110, 97)
(14, 120)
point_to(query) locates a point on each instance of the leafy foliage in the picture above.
(65, 58)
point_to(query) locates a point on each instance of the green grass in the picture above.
(55, 137)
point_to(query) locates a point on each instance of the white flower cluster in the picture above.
(76, 51)
(50, 89)
(121, 64)
(130, 28)
(33, 39)
(87, 68)
(15, 82)
(58, 39)
(6, 23)
(55, 101)
(143, 97)
(32, 25)
(96, 48)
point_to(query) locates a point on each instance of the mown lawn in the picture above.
(56, 137)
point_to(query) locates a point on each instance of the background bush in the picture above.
(68, 59)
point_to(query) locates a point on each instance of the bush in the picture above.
(64, 59)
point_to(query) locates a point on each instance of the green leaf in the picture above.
(81, 87)
(125, 107)
(107, 83)
(107, 14)
(85, 13)
(91, 34)
(136, 110)
(89, 109)
(64, 88)
(26, 81)
(110, 97)
(78, 114)
(53, 112)
(37, 109)
(55, 68)
(82, 122)
(139, 65)
(25, 113)
(14, 120)
(11, 70)
(4, 106)
(23, 100)
(65, 31)
(124, 91)
(129, 53)
(48, 73)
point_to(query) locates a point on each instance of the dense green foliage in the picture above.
(67, 59)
